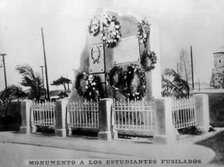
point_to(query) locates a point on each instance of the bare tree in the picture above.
(184, 67)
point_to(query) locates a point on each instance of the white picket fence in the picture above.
(83, 115)
(43, 114)
(183, 113)
(126, 115)
(133, 115)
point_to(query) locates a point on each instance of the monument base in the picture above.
(60, 132)
(25, 129)
(105, 136)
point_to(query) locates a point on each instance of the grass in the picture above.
(216, 143)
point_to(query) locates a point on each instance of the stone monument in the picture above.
(120, 40)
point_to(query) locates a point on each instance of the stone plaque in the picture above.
(127, 50)
(96, 58)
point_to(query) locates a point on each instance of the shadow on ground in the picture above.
(216, 143)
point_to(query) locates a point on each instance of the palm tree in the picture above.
(62, 81)
(174, 85)
(31, 80)
(9, 94)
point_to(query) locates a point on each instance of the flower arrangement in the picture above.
(89, 86)
(130, 82)
(148, 60)
(143, 31)
(94, 27)
(111, 31)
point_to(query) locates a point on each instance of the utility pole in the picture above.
(192, 69)
(3, 60)
(42, 73)
(45, 64)
(0, 76)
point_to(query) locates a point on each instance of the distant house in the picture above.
(217, 79)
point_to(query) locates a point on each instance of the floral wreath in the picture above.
(145, 57)
(125, 82)
(111, 31)
(143, 31)
(134, 92)
(94, 27)
(92, 88)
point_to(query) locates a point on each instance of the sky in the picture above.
(181, 23)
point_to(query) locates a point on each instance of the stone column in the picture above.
(202, 111)
(155, 74)
(165, 130)
(105, 110)
(60, 128)
(26, 116)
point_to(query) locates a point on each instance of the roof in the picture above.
(219, 50)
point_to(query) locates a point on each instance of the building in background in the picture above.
(217, 79)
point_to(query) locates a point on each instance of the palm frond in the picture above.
(174, 85)
(13, 92)
(31, 80)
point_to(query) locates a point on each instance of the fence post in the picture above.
(165, 130)
(60, 109)
(202, 111)
(105, 110)
(25, 115)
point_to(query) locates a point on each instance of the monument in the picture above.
(121, 59)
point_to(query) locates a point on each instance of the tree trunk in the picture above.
(64, 87)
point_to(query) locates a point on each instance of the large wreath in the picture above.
(111, 31)
(89, 86)
(148, 60)
(134, 91)
(124, 81)
(94, 27)
(143, 31)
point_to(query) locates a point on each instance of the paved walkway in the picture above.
(134, 149)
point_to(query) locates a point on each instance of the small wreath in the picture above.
(116, 83)
(147, 56)
(91, 85)
(94, 27)
(134, 92)
(143, 31)
(95, 59)
(111, 31)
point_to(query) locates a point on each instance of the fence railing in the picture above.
(126, 115)
(133, 115)
(43, 114)
(183, 113)
(83, 115)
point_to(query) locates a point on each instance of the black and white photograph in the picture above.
(112, 83)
